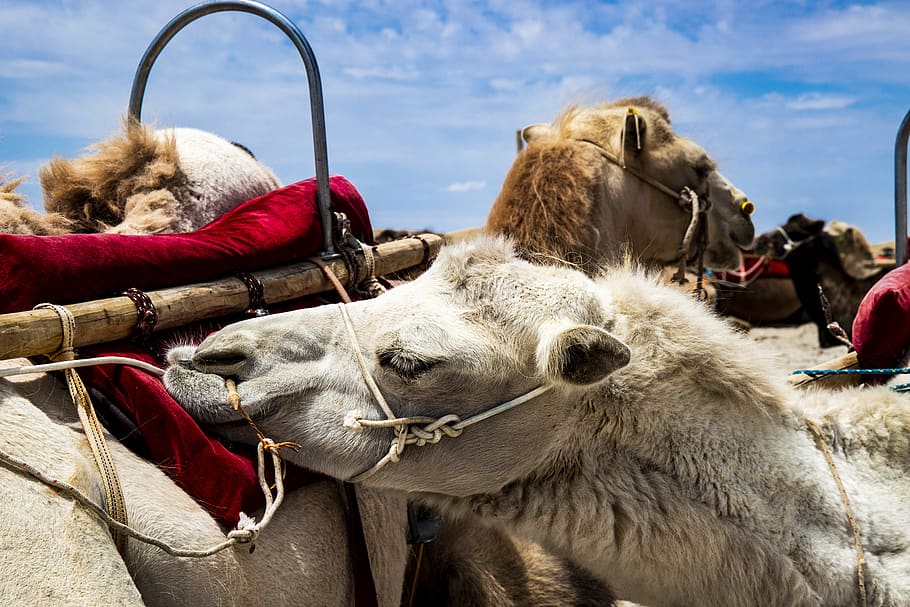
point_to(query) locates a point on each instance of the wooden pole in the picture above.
(103, 320)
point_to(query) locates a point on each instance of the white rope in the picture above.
(746, 276)
(416, 430)
(83, 362)
(247, 530)
(790, 244)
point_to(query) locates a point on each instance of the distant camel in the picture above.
(816, 259)
(614, 420)
(606, 180)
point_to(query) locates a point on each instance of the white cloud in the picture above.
(383, 73)
(466, 186)
(433, 92)
(820, 101)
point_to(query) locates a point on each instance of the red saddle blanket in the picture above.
(277, 228)
(753, 267)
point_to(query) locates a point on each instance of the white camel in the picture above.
(654, 445)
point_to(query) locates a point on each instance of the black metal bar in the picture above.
(900, 192)
(317, 110)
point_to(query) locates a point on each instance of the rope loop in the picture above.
(146, 313)
(256, 291)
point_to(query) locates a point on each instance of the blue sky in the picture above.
(799, 102)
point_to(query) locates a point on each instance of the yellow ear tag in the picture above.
(747, 207)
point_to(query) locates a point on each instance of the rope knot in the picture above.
(246, 531)
(352, 421)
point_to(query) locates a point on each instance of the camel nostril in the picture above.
(221, 363)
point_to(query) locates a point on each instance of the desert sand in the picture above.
(795, 347)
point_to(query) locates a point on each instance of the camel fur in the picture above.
(665, 458)
(117, 189)
(564, 200)
(473, 564)
(145, 181)
(16, 217)
(56, 552)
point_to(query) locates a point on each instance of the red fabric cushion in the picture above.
(277, 228)
(881, 329)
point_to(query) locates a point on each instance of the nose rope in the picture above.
(790, 244)
(415, 430)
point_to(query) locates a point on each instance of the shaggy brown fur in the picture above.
(472, 565)
(17, 218)
(547, 200)
(94, 191)
(555, 195)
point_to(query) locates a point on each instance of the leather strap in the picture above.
(364, 586)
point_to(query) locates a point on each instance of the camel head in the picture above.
(636, 133)
(782, 240)
(479, 328)
(148, 181)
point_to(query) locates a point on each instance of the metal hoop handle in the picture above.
(314, 83)
(900, 192)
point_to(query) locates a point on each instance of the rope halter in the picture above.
(415, 430)
(789, 243)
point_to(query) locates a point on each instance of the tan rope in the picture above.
(233, 400)
(247, 529)
(857, 542)
(113, 493)
(342, 293)
(246, 532)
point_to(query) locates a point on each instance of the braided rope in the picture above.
(407, 432)
(113, 493)
(146, 313)
(821, 372)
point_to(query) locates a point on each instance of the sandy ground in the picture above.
(795, 347)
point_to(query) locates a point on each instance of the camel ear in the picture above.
(538, 132)
(634, 131)
(580, 354)
(817, 226)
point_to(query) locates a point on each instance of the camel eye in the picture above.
(702, 170)
(405, 364)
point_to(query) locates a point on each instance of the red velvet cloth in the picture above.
(277, 228)
(881, 329)
(223, 482)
